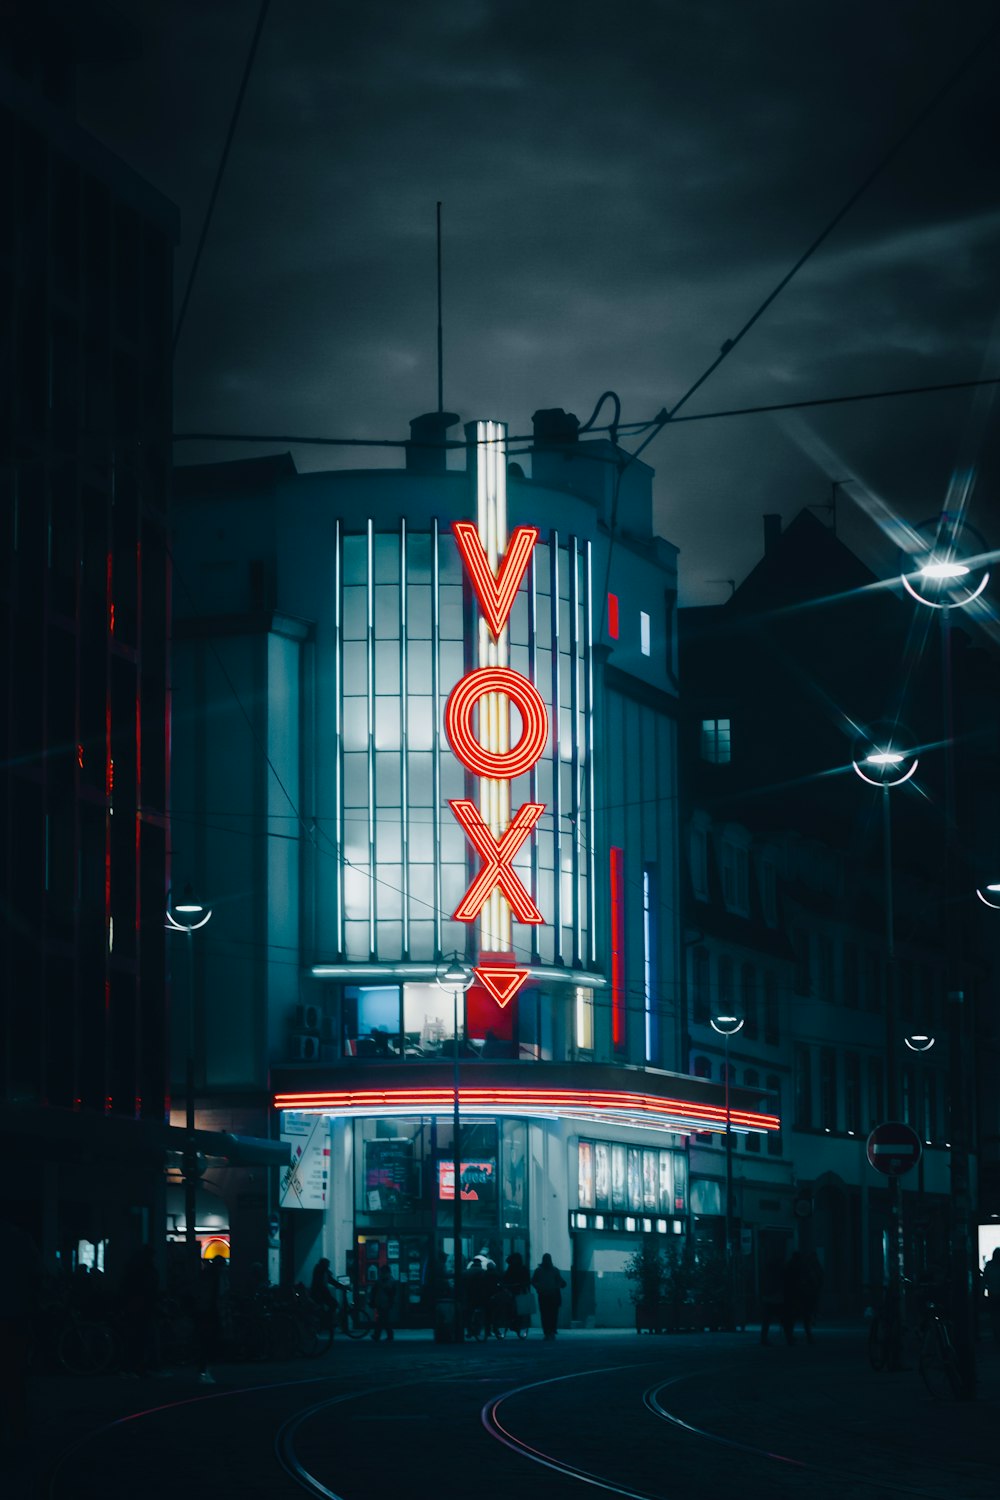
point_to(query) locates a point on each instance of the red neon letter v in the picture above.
(495, 594)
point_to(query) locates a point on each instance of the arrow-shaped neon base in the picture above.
(501, 980)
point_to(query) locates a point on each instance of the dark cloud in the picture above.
(622, 186)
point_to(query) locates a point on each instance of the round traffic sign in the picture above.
(893, 1148)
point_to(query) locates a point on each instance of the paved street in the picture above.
(673, 1417)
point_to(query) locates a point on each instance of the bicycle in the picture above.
(937, 1360)
(896, 1341)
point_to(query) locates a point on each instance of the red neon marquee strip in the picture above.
(495, 594)
(496, 765)
(497, 869)
(617, 948)
(554, 1099)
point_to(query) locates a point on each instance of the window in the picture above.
(584, 1019)
(875, 1106)
(852, 979)
(852, 1092)
(751, 1080)
(773, 1084)
(644, 632)
(700, 983)
(613, 616)
(772, 1028)
(803, 1087)
(828, 1088)
(715, 741)
(748, 986)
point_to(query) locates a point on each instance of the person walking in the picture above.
(991, 1282)
(517, 1286)
(321, 1285)
(382, 1300)
(548, 1285)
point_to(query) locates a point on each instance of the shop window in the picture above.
(371, 1020)
(715, 741)
(429, 1019)
(644, 644)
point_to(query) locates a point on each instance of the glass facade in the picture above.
(403, 634)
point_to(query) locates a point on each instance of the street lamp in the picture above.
(883, 758)
(457, 978)
(187, 916)
(727, 1026)
(944, 567)
(989, 895)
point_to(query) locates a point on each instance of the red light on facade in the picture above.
(501, 980)
(496, 765)
(613, 616)
(496, 594)
(618, 947)
(496, 856)
(79, 756)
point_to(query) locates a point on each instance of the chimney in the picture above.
(772, 533)
(553, 426)
(425, 451)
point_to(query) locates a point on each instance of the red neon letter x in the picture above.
(496, 859)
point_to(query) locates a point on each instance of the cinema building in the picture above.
(425, 721)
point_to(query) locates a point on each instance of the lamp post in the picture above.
(884, 759)
(919, 1042)
(187, 916)
(728, 1026)
(944, 567)
(457, 978)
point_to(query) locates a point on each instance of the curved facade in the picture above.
(360, 814)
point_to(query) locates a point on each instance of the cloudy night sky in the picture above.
(622, 187)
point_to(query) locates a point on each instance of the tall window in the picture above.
(700, 986)
(644, 632)
(852, 1092)
(751, 1079)
(715, 741)
(748, 987)
(584, 1019)
(803, 1086)
(772, 1024)
(773, 1084)
(828, 1088)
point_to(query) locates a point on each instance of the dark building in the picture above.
(787, 895)
(86, 255)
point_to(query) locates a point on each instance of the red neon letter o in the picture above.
(496, 765)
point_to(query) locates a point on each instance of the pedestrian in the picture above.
(211, 1291)
(138, 1292)
(802, 1284)
(321, 1292)
(382, 1300)
(20, 1285)
(517, 1285)
(991, 1282)
(548, 1284)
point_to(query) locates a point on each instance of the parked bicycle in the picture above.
(912, 1329)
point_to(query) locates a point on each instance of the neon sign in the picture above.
(496, 568)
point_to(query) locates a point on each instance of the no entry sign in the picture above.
(893, 1148)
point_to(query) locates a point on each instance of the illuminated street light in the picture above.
(187, 916)
(945, 567)
(883, 757)
(989, 895)
(457, 978)
(727, 1026)
(919, 1041)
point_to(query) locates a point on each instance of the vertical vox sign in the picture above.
(495, 567)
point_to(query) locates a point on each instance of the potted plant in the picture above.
(648, 1272)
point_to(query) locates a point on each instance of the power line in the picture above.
(234, 119)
